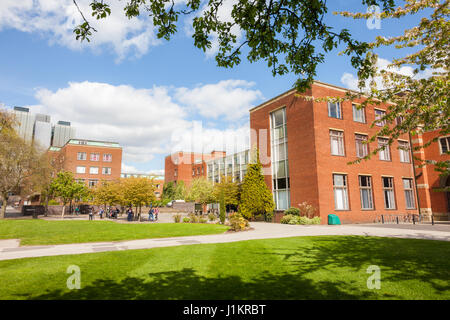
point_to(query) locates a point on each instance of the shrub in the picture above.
(212, 217)
(186, 219)
(177, 218)
(306, 209)
(53, 202)
(286, 218)
(238, 222)
(203, 220)
(194, 218)
(292, 211)
(316, 220)
(294, 220)
(306, 220)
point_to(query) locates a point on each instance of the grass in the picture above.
(325, 267)
(43, 232)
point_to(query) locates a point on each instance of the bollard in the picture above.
(432, 219)
(414, 220)
(382, 219)
(397, 219)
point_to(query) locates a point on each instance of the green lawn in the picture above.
(326, 267)
(41, 232)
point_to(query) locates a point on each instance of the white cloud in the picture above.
(56, 19)
(351, 81)
(228, 98)
(151, 122)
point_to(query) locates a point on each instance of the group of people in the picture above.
(152, 214)
(110, 212)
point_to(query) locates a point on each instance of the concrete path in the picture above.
(10, 249)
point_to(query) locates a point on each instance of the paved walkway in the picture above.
(10, 249)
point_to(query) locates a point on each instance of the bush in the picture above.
(203, 220)
(306, 209)
(186, 219)
(212, 217)
(294, 220)
(286, 218)
(194, 218)
(53, 202)
(238, 222)
(177, 218)
(292, 211)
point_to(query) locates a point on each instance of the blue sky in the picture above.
(150, 95)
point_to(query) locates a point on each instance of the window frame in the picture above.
(366, 188)
(365, 146)
(403, 152)
(78, 156)
(386, 149)
(338, 110)
(392, 189)
(377, 122)
(92, 167)
(362, 110)
(341, 140)
(447, 145)
(84, 171)
(107, 154)
(411, 191)
(344, 187)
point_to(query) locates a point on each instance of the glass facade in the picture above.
(280, 164)
(234, 166)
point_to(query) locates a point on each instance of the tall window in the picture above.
(379, 114)
(95, 156)
(92, 183)
(388, 191)
(358, 114)
(107, 157)
(340, 192)
(365, 187)
(93, 170)
(81, 169)
(280, 168)
(106, 170)
(362, 148)
(445, 144)
(175, 172)
(337, 142)
(81, 156)
(334, 110)
(403, 148)
(384, 152)
(409, 194)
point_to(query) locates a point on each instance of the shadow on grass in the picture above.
(426, 261)
(186, 284)
(291, 268)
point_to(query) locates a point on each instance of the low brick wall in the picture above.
(184, 206)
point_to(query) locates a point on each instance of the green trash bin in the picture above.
(333, 219)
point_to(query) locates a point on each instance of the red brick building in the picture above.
(90, 161)
(432, 200)
(305, 147)
(185, 166)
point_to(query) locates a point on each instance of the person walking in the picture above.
(150, 214)
(101, 213)
(156, 213)
(77, 211)
(91, 213)
(130, 214)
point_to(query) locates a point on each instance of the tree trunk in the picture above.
(63, 210)
(4, 198)
(46, 206)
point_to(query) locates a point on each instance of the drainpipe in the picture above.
(414, 172)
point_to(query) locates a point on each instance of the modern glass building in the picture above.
(234, 166)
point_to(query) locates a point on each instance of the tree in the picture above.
(19, 161)
(180, 190)
(169, 191)
(138, 192)
(66, 188)
(227, 189)
(289, 35)
(201, 191)
(108, 193)
(416, 103)
(256, 198)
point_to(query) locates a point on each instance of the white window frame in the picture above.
(364, 146)
(93, 158)
(368, 189)
(409, 190)
(361, 110)
(91, 171)
(404, 153)
(391, 191)
(104, 171)
(386, 152)
(447, 144)
(79, 167)
(344, 190)
(339, 137)
(81, 158)
(107, 154)
(378, 121)
(338, 109)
